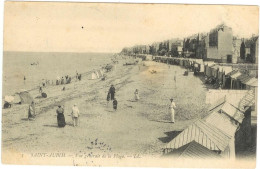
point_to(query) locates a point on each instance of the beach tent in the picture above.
(9, 99)
(94, 76)
(17, 99)
(26, 97)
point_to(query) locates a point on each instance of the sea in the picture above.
(35, 67)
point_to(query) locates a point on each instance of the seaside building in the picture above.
(254, 49)
(249, 50)
(177, 48)
(201, 51)
(236, 44)
(155, 48)
(219, 47)
(190, 45)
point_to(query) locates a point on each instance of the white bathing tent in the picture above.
(94, 75)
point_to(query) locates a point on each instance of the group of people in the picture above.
(111, 96)
(78, 76)
(60, 114)
(63, 80)
(61, 118)
(75, 111)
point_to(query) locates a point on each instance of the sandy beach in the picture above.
(135, 128)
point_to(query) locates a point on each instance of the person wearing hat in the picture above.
(31, 111)
(136, 95)
(75, 115)
(172, 111)
(112, 91)
(60, 116)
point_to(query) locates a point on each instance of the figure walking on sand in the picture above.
(115, 104)
(172, 110)
(31, 111)
(136, 95)
(112, 92)
(40, 89)
(60, 116)
(75, 115)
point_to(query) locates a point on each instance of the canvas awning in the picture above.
(252, 82)
(226, 69)
(234, 76)
(26, 97)
(204, 134)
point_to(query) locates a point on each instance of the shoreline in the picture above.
(84, 74)
(48, 69)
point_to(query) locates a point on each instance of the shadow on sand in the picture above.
(52, 125)
(131, 100)
(162, 121)
(56, 125)
(24, 119)
(170, 135)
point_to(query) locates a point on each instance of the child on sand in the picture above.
(136, 95)
(115, 104)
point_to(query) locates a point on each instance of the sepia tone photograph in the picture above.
(130, 84)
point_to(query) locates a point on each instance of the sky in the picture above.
(108, 27)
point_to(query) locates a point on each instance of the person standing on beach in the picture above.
(77, 76)
(112, 91)
(172, 110)
(75, 115)
(40, 89)
(136, 95)
(115, 104)
(60, 116)
(31, 111)
(62, 81)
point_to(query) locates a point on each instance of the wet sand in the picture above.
(135, 128)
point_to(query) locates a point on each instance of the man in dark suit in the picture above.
(112, 91)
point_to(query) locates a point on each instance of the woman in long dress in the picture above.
(60, 117)
(136, 95)
(31, 111)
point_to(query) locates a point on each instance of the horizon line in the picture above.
(54, 51)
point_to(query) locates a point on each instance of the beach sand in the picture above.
(135, 128)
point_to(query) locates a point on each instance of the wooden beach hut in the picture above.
(202, 133)
(193, 150)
